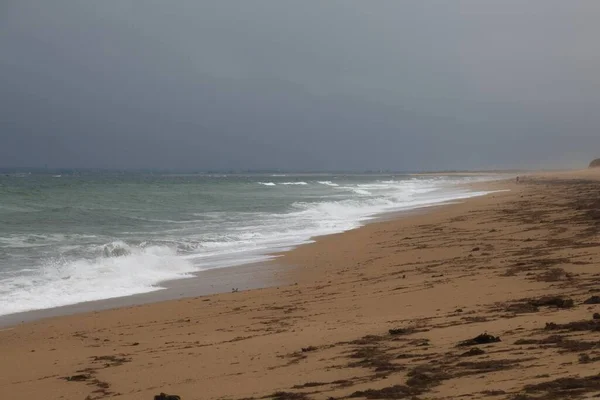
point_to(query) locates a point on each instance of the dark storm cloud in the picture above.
(299, 85)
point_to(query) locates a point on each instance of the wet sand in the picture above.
(384, 311)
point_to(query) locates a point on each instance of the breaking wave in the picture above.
(120, 270)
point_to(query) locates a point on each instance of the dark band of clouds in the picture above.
(311, 85)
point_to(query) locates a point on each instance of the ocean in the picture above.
(72, 238)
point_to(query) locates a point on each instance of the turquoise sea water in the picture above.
(70, 238)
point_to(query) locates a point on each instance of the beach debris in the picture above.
(489, 365)
(554, 339)
(522, 308)
(564, 388)
(493, 392)
(552, 301)
(164, 396)
(592, 300)
(401, 331)
(426, 376)
(576, 326)
(484, 338)
(375, 357)
(475, 319)
(475, 351)
(308, 349)
(111, 361)
(310, 385)
(391, 392)
(560, 342)
(235, 290)
(596, 316)
(584, 358)
(419, 342)
(554, 275)
(77, 378)
(368, 339)
(476, 249)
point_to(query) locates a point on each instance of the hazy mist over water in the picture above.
(311, 85)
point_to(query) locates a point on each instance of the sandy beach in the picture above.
(493, 297)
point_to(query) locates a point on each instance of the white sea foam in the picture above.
(294, 183)
(266, 183)
(328, 183)
(122, 270)
(278, 231)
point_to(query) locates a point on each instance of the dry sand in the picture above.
(435, 280)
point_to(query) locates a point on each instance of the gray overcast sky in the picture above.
(312, 85)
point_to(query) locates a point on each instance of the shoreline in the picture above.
(393, 309)
(250, 276)
(204, 283)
